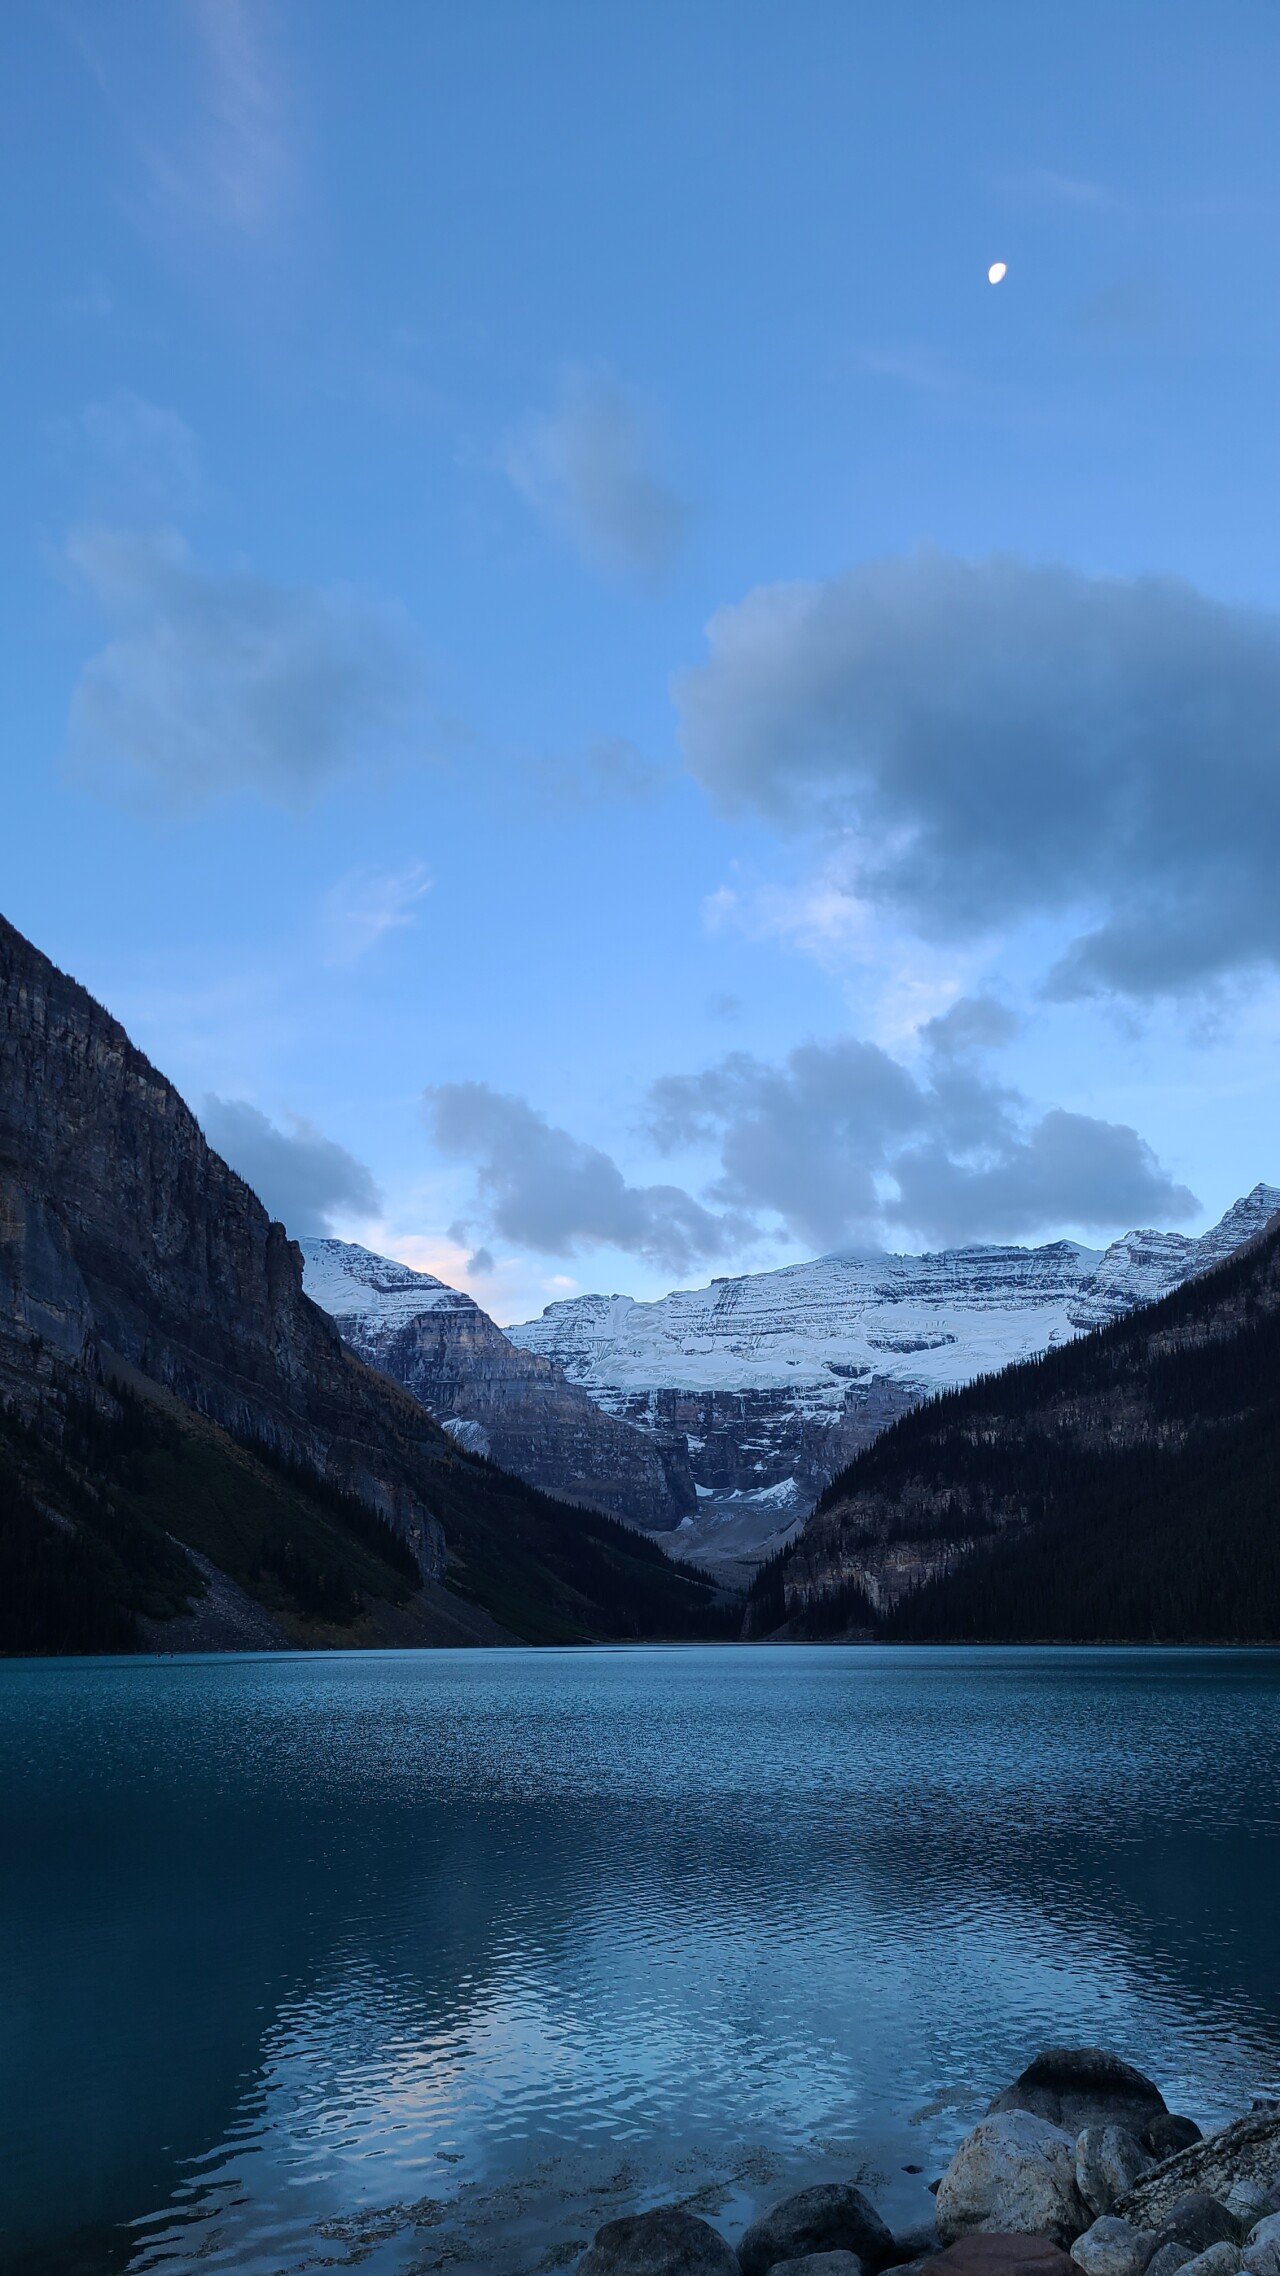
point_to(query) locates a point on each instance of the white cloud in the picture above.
(367, 904)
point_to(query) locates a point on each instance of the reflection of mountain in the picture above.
(735, 1897)
(770, 1382)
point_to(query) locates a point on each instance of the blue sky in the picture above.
(605, 706)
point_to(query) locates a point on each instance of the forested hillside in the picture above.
(1126, 1486)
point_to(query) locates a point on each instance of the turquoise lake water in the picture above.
(416, 1962)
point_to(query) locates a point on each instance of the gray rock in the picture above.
(1112, 2248)
(665, 2242)
(1076, 2087)
(1219, 2260)
(1169, 2133)
(1247, 2202)
(1015, 2173)
(833, 2217)
(1109, 2160)
(1197, 2222)
(1261, 2255)
(1169, 2259)
(822, 2264)
(1249, 2150)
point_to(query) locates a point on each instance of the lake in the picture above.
(432, 1961)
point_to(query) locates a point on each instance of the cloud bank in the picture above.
(838, 1144)
(218, 680)
(999, 740)
(544, 1189)
(303, 1178)
(587, 469)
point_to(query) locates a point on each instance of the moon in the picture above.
(997, 271)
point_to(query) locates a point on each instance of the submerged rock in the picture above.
(1014, 2172)
(1113, 2248)
(1109, 2160)
(833, 2217)
(665, 2242)
(1076, 2087)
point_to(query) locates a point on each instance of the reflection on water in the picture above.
(434, 1961)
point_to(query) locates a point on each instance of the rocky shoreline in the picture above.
(1078, 2169)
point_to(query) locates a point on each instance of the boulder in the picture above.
(822, 2264)
(1109, 2159)
(1197, 2222)
(1015, 2172)
(1112, 2248)
(1169, 2260)
(832, 2217)
(665, 2242)
(1247, 2202)
(988, 2253)
(1076, 2087)
(1165, 2136)
(1261, 2255)
(1248, 2150)
(1219, 2260)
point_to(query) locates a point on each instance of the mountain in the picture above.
(1126, 1486)
(489, 1394)
(774, 1380)
(189, 1453)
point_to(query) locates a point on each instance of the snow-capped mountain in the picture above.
(494, 1398)
(774, 1380)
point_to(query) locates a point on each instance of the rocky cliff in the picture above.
(490, 1395)
(167, 1386)
(773, 1381)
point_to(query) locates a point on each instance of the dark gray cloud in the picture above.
(999, 741)
(842, 1142)
(587, 468)
(546, 1190)
(306, 1180)
(218, 680)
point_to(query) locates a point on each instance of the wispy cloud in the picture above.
(216, 149)
(140, 457)
(588, 469)
(217, 680)
(1075, 189)
(367, 904)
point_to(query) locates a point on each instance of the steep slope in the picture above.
(490, 1395)
(775, 1380)
(144, 1291)
(1127, 1485)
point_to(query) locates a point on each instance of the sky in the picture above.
(606, 707)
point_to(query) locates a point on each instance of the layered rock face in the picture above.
(123, 1236)
(492, 1397)
(775, 1380)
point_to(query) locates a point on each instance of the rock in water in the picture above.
(1109, 2160)
(996, 2255)
(833, 2217)
(1014, 2172)
(665, 2242)
(1249, 2150)
(1077, 2087)
(1112, 2248)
